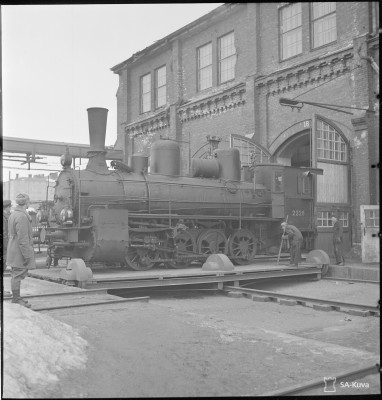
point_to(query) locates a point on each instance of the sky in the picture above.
(56, 62)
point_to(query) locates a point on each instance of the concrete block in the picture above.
(364, 273)
(76, 271)
(256, 297)
(287, 302)
(235, 294)
(360, 313)
(322, 307)
(218, 262)
(337, 271)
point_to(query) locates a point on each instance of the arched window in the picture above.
(330, 145)
(250, 152)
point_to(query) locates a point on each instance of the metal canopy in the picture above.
(50, 148)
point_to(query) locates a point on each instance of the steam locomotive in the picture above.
(145, 213)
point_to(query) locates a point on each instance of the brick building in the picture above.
(224, 75)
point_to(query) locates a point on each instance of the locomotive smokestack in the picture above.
(97, 117)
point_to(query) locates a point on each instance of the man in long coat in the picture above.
(295, 242)
(337, 241)
(7, 204)
(20, 253)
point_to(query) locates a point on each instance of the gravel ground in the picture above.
(213, 345)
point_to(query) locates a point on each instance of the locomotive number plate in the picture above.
(298, 213)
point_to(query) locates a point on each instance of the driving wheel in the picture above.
(242, 246)
(183, 242)
(212, 241)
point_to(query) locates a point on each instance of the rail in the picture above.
(324, 304)
(100, 296)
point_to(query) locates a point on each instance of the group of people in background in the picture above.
(18, 252)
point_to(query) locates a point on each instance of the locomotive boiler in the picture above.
(145, 212)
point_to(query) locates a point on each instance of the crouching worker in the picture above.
(20, 253)
(295, 241)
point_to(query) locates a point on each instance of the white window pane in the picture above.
(227, 69)
(205, 56)
(324, 30)
(161, 76)
(321, 9)
(227, 46)
(146, 102)
(292, 43)
(205, 78)
(291, 17)
(146, 93)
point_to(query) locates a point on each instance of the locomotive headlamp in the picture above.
(66, 159)
(66, 215)
(42, 216)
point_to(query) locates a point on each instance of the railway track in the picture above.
(82, 298)
(364, 310)
(331, 278)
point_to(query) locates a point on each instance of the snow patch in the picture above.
(37, 350)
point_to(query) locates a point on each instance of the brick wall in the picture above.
(352, 21)
(334, 73)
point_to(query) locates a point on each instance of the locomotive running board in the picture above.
(201, 277)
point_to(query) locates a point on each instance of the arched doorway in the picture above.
(325, 147)
(295, 151)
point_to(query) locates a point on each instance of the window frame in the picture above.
(143, 94)
(312, 23)
(321, 141)
(282, 34)
(220, 81)
(157, 87)
(372, 216)
(199, 69)
(326, 216)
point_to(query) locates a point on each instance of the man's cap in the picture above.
(7, 203)
(283, 224)
(22, 198)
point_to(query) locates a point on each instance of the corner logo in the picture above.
(330, 384)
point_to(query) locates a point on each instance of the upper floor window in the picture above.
(146, 93)
(160, 87)
(324, 23)
(291, 30)
(205, 67)
(330, 145)
(227, 58)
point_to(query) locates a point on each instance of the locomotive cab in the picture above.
(292, 196)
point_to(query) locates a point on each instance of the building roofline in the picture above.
(226, 7)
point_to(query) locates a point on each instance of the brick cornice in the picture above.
(316, 71)
(150, 124)
(213, 104)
